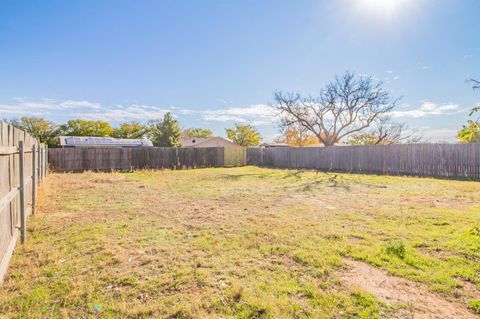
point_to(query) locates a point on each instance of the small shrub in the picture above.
(474, 305)
(395, 247)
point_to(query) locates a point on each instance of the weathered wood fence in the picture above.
(22, 169)
(440, 160)
(126, 159)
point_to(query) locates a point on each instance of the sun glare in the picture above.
(386, 8)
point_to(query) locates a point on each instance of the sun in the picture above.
(385, 8)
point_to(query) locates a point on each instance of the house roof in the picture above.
(194, 141)
(89, 141)
(321, 145)
(274, 145)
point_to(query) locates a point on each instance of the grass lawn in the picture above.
(238, 243)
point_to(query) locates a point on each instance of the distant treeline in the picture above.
(165, 132)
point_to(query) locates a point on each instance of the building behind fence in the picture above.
(437, 160)
(126, 159)
(22, 168)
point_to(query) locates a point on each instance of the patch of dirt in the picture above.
(109, 180)
(419, 301)
(470, 290)
(433, 202)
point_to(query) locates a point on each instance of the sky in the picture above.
(216, 63)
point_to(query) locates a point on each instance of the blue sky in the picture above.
(214, 63)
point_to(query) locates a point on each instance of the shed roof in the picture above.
(194, 141)
(90, 141)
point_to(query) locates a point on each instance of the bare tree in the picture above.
(476, 84)
(386, 132)
(345, 106)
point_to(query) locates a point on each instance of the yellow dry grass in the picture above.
(237, 243)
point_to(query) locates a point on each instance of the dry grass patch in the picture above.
(239, 243)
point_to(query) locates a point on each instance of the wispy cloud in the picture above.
(427, 109)
(257, 114)
(82, 109)
(120, 113)
(390, 79)
(225, 101)
(22, 106)
(50, 104)
(423, 66)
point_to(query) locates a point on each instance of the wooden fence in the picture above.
(234, 156)
(440, 160)
(22, 168)
(126, 159)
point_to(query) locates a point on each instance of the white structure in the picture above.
(89, 141)
(214, 141)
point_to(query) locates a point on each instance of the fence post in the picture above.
(39, 163)
(43, 162)
(34, 178)
(46, 160)
(23, 217)
(177, 160)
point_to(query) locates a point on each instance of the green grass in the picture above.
(237, 243)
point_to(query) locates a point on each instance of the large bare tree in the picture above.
(347, 105)
(476, 84)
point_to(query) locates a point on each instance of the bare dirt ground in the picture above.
(414, 299)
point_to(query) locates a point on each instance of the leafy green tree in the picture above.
(363, 138)
(470, 132)
(130, 130)
(244, 135)
(197, 132)
(87, 128)
(45, 131)
(166, 132)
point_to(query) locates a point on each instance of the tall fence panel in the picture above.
(125, 159)
(22, 168)
(235, 156)
(441, 160)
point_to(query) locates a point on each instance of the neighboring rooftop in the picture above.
(269, 145)
(88, 141)
(214, 141)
